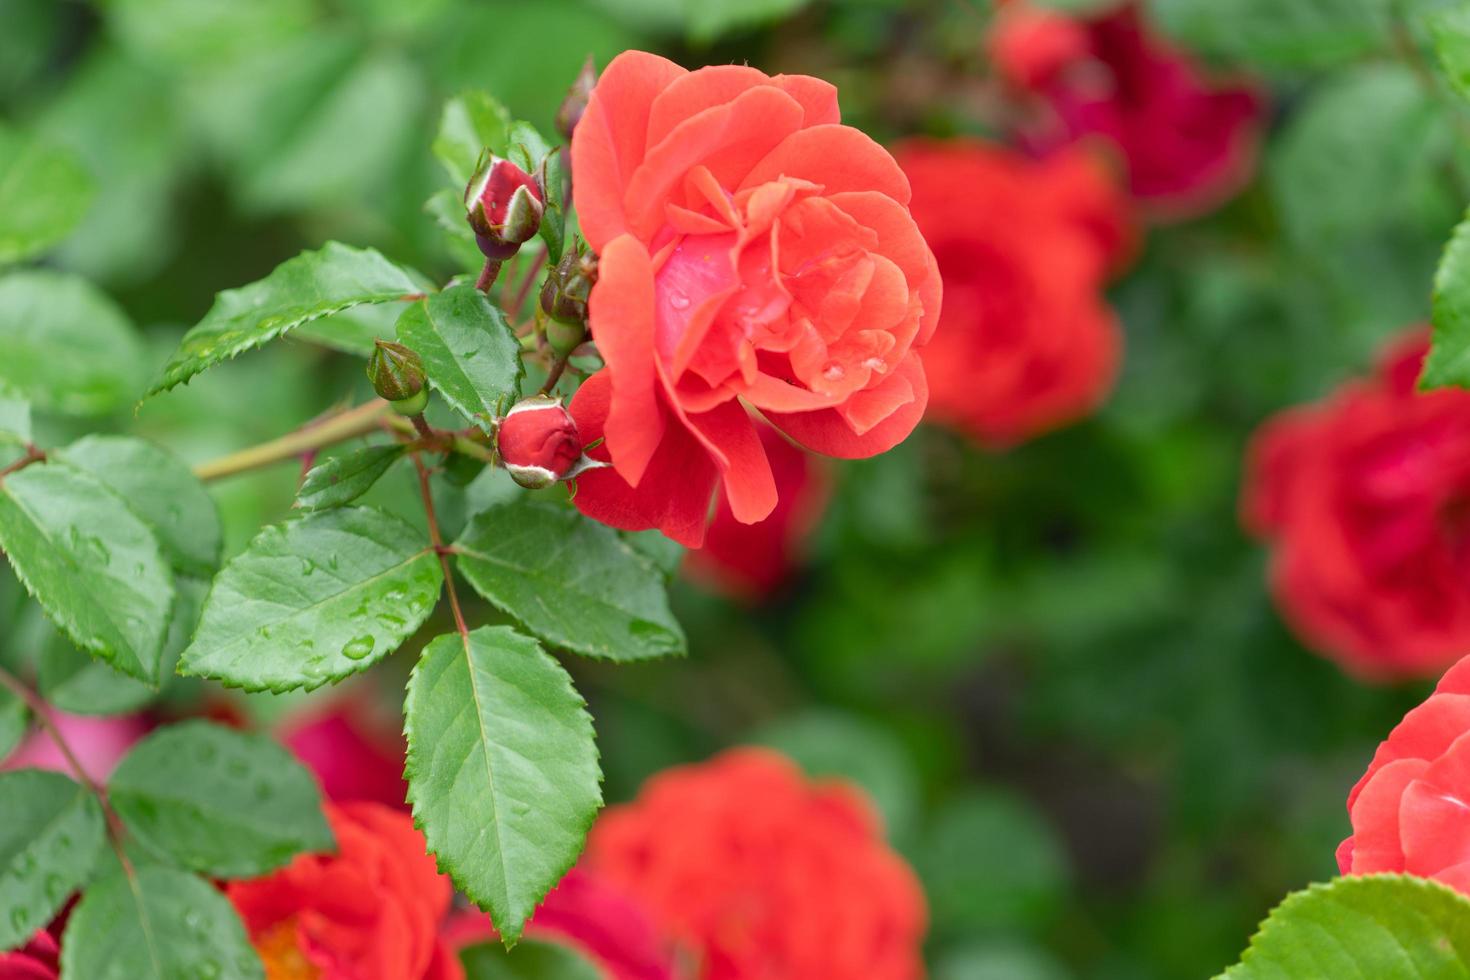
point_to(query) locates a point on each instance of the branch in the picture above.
(315, 435)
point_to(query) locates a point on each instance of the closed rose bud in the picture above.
(575, 103)
(503, 204)
(564, 298)
(538, 443)
(397, 375)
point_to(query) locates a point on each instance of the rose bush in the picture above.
(756, 872)
(1026, 340)
(1188, 143)
(754, 254)
(1364, 500)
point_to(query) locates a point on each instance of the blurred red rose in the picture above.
(1189, 144)
(353, 754)
(753, 250)
(372, 911)
(594, 917)
(751, 561)
(757, 872)
(1365, 498)
(38, 959)
(1411, 810)
(1026, 342)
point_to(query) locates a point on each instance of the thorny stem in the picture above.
(115, 830)
(437, 540)
(315, 435)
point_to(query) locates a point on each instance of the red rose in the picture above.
(757, 872)
(38, 959)
(369, 912)
(1411, 810)
(1189, 144)
(751, 561)
(594, 917)
(1026, 342)
(1365, 499)
(753, 253)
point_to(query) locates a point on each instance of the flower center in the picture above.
(281, 953)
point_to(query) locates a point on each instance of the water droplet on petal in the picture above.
(678, 300)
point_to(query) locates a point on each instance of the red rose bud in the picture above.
(575, 103)
(503, 203)
(539, 444)
(397, 375)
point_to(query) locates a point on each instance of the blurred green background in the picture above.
(1056, 669)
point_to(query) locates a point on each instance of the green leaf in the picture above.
(310, 286)
(48, 845)
(471, 123)
(353, 331)
(447, 210)
(1448, 363)
(469, 352)
(1387, 927)
(314, 600)
(94, 567)
(44, 192)
(502, 768)
(572, 581)
(160, 924)
(75, 682)
(12, 721)
(1269, 33)
(225, 803)
(709, 20)
(15, 421)
(1450, 30)
(342, 479)
(68, 348)
(530, 960)
(277, 119)
(162, 490)
(661, 552)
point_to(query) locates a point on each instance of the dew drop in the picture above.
(207, 970)
(55, 888)
(17, 919)
(358, 647)
(263, 791)
(834, 372)
(678, 300)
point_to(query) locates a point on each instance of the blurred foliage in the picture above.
(1056, 670)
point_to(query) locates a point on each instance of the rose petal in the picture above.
(749, 486)
(825, 431)
(621, 310)
(838, 158)
(1375, 815)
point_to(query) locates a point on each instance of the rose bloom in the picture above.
(38, 959)
(592, 916)
(1026, 342)
(1365, 499)
(752, 561)
(1189, 144)
(754, 253)
(757, 872)
(371, 911)
(1408, 811)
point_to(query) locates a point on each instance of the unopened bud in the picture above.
(397, 375)
(539, 444)
(503, 205)
(564, 298)
(575, 103)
